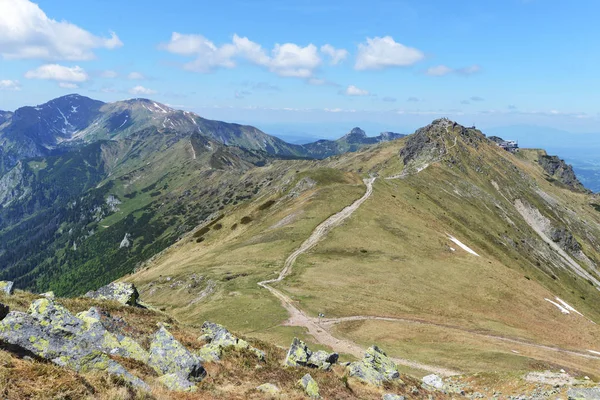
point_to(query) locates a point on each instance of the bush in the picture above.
(217, 227)
(246, 220)
(233, 227)
(266, 205)
(201, 231)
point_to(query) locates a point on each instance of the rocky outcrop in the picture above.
(177, 383)
(391, 396)
(565, 240)
(6, 287)
(124, 293)
(268, 388)
(299, 355)
(310, 386)
(561, 171)
(433, 382)
(584, 394)
(168, 356)
(220, 339)
(51, 332)
(375, 368)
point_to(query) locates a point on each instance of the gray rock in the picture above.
(124, 293)
(177, 383)
(584, 394)
(6, 287)
(4, 310)
(48, 295)
(299, 355)
(168, 356)
(375, 368)
(268, 388)
(220, 339)
(65, 341)
(310, 386)
(391, 396)
(433, 382)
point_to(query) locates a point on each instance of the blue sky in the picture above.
(315, 65)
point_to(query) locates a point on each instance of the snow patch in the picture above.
(160, 108)
(124, 122)
(67, 123)
(568, 307)
(462, 245)
(74, 109)
(560, 307)
(595, 352)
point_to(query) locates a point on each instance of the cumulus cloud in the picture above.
(7, 84)
(68, 85)
(389, 99)
(335, 55)
(109, 74)
(26, 32)
(443, 70)
(58, 73)
(354, 91)
(135, 76)
(286, 59)
(384, 52)
(140, 90)
(477, 98)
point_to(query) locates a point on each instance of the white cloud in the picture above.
(383, 52)
(58, 73)
(141, 90)
(335, 55)
(7, 84)
(135, 76)
(67, 85)
(27, 33)
(442, 70)
(109, 74)
(286, 59)
(354, 91)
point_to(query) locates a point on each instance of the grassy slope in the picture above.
(393, 258)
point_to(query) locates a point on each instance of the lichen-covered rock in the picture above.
(433, 382)
(219, 339)
(168, 356)
(269, 389)
(322, 360)
(6, 287)
(177, 383)
(124, 293)
(584, 394)
(391, 396)
(375, 368)
(310, 386)
(63, 341)
(4, 310)
(298, 354)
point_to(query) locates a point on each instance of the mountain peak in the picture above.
(356, 135)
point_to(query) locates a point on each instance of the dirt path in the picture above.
(299, 318)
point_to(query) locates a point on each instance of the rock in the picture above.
(177, 383)
(310, 386)
(65, 341)
(433, 382)
(299, 355)
(584, 394)
(375, 368)
(220, 339)
(322, 360)
(48, 295)
(168, 356)
(124, 293)
(390, 396)
(268, 388)
(4, 310)
(6, 287)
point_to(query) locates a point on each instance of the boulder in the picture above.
(299, 355)
(219, 339)
(6, 287)
(433, 382)
(310, 386)
(268, 388)
(391, 396)
(375, 368)
(584, 394)
(322, 360)
(177, 383)
(59, 341)
(4, 310)
(124, 293)
(168, 356)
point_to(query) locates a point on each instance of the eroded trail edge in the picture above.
(299, 318)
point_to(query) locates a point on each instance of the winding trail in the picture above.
(320, 328)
